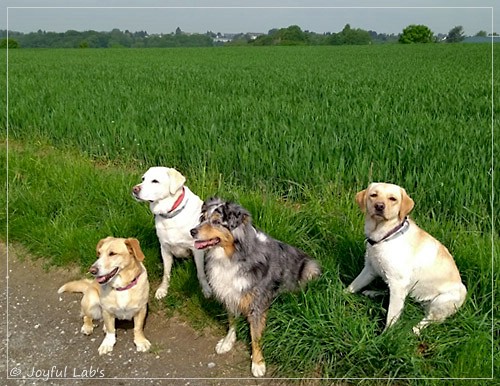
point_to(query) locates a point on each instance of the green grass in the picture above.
(276, 117)
(291, 134)
(61, 204)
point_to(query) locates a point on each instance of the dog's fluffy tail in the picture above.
(75, 286)
(310, 270)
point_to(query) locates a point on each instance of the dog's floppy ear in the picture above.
(361, 200)
(100, 243)
(407, 204)
(177, 180)
(134, 248)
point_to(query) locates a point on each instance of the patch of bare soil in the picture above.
(44, 344)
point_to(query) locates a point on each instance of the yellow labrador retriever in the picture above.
(410, 261)
(120, 290)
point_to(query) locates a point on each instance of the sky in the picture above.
(200, 16)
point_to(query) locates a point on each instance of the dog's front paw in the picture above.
(258, 369)
(107, 344)
(161, 292)
(87, 329)
(349, 290)
(207, 291)
(227, 343)
(223, 346)
(142, 345)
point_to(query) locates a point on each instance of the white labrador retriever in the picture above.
(410, 261)
(177, 210)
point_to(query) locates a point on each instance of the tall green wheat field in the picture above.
(291, 133)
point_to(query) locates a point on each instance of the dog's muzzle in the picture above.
(103, 279)
(202, 244)
(136, 191)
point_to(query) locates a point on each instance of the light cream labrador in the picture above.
(120, 290)
(410, 261)
(177, 210)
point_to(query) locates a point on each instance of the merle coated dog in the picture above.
(247, 269)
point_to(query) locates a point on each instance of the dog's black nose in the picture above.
(379, 206)
(193, 232)
(93, 270)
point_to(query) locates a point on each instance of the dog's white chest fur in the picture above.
(175, 239)
(118, 304)
(390, 261)
(124, 305)
(226, 281)
(400, 264)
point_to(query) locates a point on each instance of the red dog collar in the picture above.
(130, 285)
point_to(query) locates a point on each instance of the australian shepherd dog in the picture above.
(247, 269)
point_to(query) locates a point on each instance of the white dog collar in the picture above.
(392, 234)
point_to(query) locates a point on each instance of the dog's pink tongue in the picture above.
(101, 279)
(200, 244)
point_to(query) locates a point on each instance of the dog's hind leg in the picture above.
(88, 325)
(227, 343)
(91, 310)
(199, 260)
(442, 306)
(257, 324)
(168, 260)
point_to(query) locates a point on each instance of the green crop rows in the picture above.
(292, 133)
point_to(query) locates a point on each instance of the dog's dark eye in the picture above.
(155, 182)
(112, 253)
(142, 179)
(393, 199)
(216, 221)
(373, 195)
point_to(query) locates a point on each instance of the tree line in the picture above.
(111, 39)
(292, 35)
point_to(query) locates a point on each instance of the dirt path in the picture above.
(44, 340)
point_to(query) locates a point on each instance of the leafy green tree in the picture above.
(482, 33)
(292, 34)
(416, 34)
(455, 35)
(263, 40)
(11, 43)
(350, 36)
